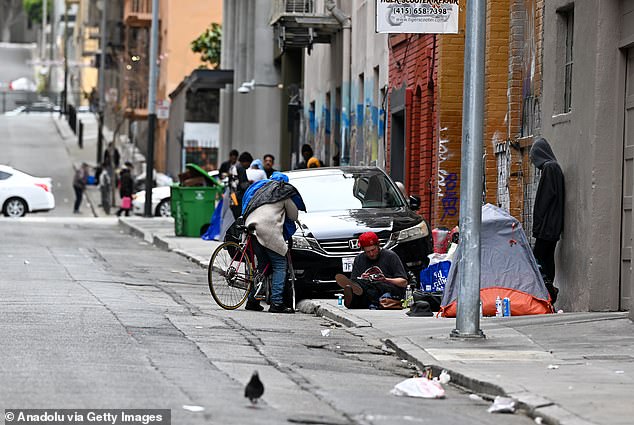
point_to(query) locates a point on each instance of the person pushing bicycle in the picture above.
(270, 207)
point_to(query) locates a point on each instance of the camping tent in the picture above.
(507, 269)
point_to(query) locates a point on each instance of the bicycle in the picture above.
(233, 272)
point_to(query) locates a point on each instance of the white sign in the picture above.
(417, 16)
(162, 109)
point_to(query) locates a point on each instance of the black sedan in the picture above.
(343, 203)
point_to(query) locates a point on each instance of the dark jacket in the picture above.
(548, 211)
(126, 182)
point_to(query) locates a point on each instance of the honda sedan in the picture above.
(343, 203)
(21, 193)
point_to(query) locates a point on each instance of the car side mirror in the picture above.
(414, 202)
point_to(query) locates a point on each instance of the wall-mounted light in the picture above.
(248, 86)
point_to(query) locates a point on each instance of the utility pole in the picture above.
(102, 77)
(468, 310)
(151, 119)
(44, 5)
(65, 41)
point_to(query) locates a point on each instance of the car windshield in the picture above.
(347, 191)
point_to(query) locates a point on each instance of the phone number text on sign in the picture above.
(419, 11)
(431, 17)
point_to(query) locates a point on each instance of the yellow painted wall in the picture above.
(182, 21)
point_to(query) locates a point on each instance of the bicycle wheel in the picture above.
(230, 275)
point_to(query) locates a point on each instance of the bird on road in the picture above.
(254, 389)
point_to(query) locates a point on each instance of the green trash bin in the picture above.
(193, 206)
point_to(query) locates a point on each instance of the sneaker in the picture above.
(343, 281)
(347, 296)
(253, 306)
(280, 308)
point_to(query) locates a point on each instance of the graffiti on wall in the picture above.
(324, 125)
(447, 182)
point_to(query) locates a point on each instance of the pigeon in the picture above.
(254, 389)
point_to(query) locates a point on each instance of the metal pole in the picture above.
(65, 40)
(102, 78)
(468, 310)
(44, 4)
(149, 165)
(80, 135)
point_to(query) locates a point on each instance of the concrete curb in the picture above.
(533, 404)
(64, 131)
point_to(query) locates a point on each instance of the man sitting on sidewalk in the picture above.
(375, 272)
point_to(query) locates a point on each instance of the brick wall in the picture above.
(432, 68)
(412, 62)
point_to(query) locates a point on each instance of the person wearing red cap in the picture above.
(375, 272)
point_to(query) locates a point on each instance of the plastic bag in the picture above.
(419, 387)
(502, 405)
(434, 277)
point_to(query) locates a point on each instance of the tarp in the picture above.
(507, 269)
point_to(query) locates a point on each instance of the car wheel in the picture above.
(14, 207)
(164, 208)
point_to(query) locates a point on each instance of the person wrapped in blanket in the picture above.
(271, 207)
(375, 273)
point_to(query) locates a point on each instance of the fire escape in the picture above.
(297, 24)
(137, 19)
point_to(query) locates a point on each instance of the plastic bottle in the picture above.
(506, 307)
(340, 300)
(498, 307)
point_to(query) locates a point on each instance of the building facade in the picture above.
(588, 118)
(250, 115)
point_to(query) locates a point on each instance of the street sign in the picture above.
(163, 109)
(416, 16)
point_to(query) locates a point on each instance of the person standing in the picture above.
(271, 208)
(105, 187)
(126, 186)
(375, 272)
(225, 167)
(308, 155)
(548, 211)
(240, 182)
(268, 161)
(79, 185)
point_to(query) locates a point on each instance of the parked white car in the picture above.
(161, 198)
(21, 193)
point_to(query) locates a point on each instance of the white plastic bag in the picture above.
(502, 405)
(436, 258)
(419, 387)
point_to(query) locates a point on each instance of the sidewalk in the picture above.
(88, 154)
(570, 368)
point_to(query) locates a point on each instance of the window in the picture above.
(565, 58)
(4, 176)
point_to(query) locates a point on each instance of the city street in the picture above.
(31, 143)
(95, 318)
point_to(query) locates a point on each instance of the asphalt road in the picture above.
(31, 143)
(94, 318)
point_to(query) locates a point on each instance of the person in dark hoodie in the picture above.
(548, 211)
